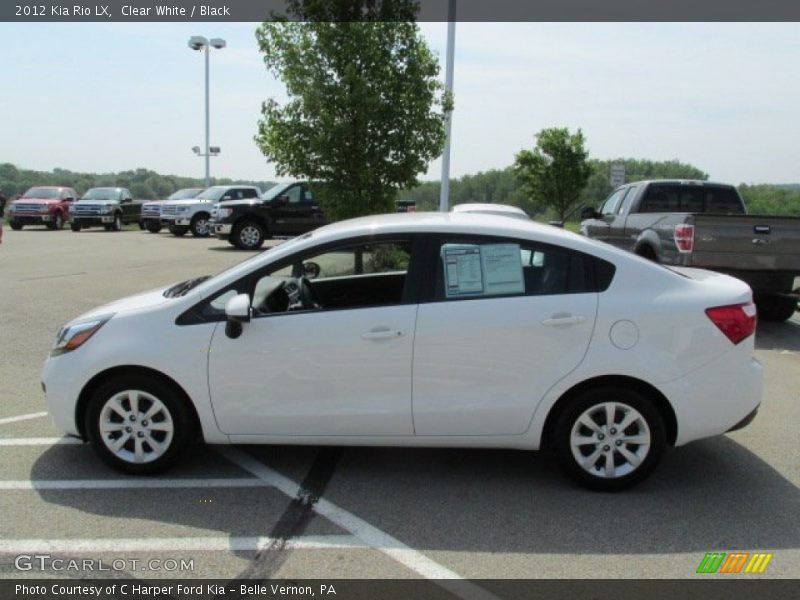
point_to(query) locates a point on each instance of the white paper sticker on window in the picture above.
(482, 270)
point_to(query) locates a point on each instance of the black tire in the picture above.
(606, 446)
(153, 227)
(173, 408)
(248, 235)
(178, 231)
(15, 225)
(58, 222)
(199, 225)
(776, 308)
(648, 253)
(141, 225)
(117, 224)
(75, 226)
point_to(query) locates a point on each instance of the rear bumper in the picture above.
(746, 421)
(718, 397)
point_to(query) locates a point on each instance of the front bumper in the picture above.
(61, 395)
(177, 221)
(89, 221)
(29, 219)
(222, 230)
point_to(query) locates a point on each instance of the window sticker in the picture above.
(462, 268)
(502, 267)
(482, 270)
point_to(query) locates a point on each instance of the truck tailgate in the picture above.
(747, 242)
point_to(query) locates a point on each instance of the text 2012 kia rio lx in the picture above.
(426, 329)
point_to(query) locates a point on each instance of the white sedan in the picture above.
(426, 329)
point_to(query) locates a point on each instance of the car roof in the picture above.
(679, 182)
(489, 208)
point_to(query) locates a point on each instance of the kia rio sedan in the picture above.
(418, 329)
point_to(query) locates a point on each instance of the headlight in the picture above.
(71, 208)
(44, 209)
(104, 210)
(224, 212)
(74, 336)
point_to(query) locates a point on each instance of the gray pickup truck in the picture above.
(704, 225)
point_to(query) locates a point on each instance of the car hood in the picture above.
(102, 202)
(35, 201)
(243, 202)
(133, 303)
(188, 201)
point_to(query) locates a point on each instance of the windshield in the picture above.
(212, 193)
(42, 192)
(101, 194)
(185, 194)
(274, 191)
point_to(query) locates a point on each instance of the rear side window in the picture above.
(483, 268)
(248, 193)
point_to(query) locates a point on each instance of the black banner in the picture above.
(734, 588)
(429, 10)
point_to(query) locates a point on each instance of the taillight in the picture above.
(737, 321)
(684, 237)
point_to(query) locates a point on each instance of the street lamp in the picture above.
(198, 42)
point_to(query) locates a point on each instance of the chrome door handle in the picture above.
(556, 321)
(383, 333)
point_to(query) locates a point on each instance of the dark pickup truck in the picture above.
(704, 225)
(284, 209)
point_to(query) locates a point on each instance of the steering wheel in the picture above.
(308, 296)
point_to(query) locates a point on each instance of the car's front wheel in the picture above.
(200, 226)
(75, 226)
(610, 438)
(178, 230)
(153, 227)
(248, 235)
(138, 425)
(15, 225)
(116, 225)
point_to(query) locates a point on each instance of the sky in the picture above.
(105, 97)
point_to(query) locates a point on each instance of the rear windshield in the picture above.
(692, 198)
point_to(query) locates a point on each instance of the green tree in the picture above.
(555, 172)
(365, 110)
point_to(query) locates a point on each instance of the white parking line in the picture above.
(77, 546)
(134, 483)
(368, 534)
(27, 417)
(42, 441)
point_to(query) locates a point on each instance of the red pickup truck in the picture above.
(41, 205)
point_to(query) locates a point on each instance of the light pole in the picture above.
(198, 42)
(444, 194)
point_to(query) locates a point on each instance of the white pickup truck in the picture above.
(193, 214)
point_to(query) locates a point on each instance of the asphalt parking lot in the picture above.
(382, 513)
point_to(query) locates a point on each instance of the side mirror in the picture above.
(587, 212)
(69, 199)
(126, 200)
(238, 311)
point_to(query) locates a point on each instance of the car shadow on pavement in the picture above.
(708, 495)
(778, 336)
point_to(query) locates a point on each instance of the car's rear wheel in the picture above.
(248, 235)
(15, 225)
(776, 308)
(610, 438)
(200, 226)
(138, 425)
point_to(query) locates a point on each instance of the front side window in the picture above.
(610, 205)
(343, 277)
